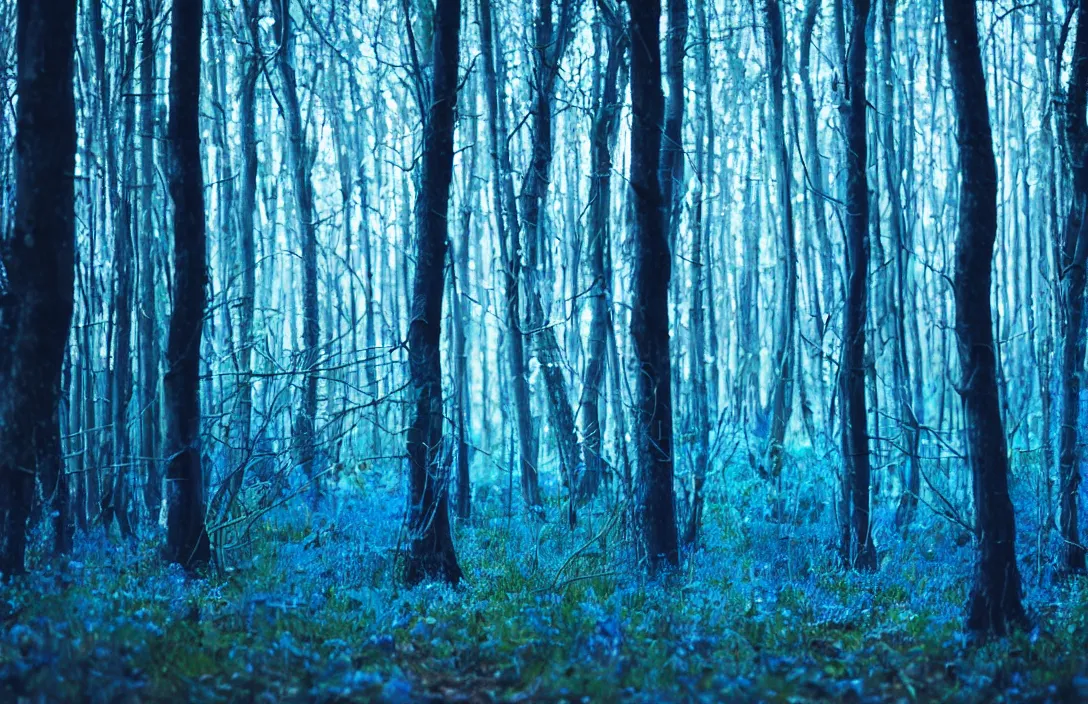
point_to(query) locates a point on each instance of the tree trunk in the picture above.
(305, 430)
(699, 405)
(148, 327)
(1073, 251)
(781, 398)
(122, 301)
(994, 604)
(506, 219)
(431, 554)
(36, 303)
(550, 45)
(650, 311)
(671, 170)
(897, 290)
(186, 537)
(856, 536)
(461, 302)
(605, 124)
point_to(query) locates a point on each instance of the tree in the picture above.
(603, 137)
(147, 309)
(508, 233)
(994, 605)
(672, 148)
(897, 293)
(36, 299)
(781, 397)
(550, 43)
(856, 538)
(1073, 258)
(186, 536)
(650, 312)
(431, 554)
(305, 431)
(704, 160)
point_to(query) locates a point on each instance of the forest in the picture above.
(543, 350)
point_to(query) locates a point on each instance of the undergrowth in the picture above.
(310, 610)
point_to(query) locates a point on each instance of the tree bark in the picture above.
(856, 537)
(671, 171)
(37, 301)
(603, 135)
(1073, 251)
(897, 290)
(995, 601)
(703, 158)
(305, 430)
(508, 234)
(781, 397)
(147, 310)
(431, 553)
(186, 536)
(650, 312)
(551, 40)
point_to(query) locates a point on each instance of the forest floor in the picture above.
(309, 611)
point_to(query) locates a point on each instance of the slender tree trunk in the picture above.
(246, 237)
(897, 290)
(36, 303)
(551, 41)
(605, 125)
(305, 430)
(671, 171)
(994, 604)
(122, 302)
(431, 555)
(781, 398)
(857, 539)
(147, 308)
(703, 158)
(650, 310)
(186, 537)
(461, 302)
(1074, 255)
(506, 218)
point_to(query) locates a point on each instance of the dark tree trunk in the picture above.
(994, 605)
(650, 312)
(856, 537)
(1073, 252)
(186, 536)
(431, 555)
(36, 303)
